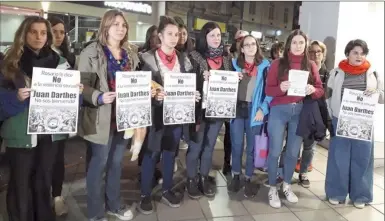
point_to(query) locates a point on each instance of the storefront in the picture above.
(85, 16)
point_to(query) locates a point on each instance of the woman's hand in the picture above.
(153, 92)
(159, 96)
(310, 89)
(23, 93)
(81, 88)
(206, 75)
(285, 85)
(240, 76)
(259, 116)
(197, 96)
(369, 92)
(108, 97)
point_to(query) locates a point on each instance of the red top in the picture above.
(272, 86)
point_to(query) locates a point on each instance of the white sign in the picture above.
(356, 117)
(179, 101)
(222, 94)
(298, 82)
(54, 101)
(133, 99)
(131, 6)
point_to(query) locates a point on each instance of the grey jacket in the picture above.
(334, 89)
(96, 119)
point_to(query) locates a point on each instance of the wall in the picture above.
(141, 30)
(8, 26)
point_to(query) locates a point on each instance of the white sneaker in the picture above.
(334, 202)
(60, 206)
(274, 200)
(123, 213)
(290, 195)
(359, 205)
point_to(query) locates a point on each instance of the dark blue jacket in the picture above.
(311, 124)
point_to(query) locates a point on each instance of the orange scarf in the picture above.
(356, 70)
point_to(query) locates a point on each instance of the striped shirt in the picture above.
(354, 82)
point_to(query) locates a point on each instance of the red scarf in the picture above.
(215, 63)
(250, 69)
(356, 70)
(168, 60)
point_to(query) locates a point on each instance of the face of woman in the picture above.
(170, 36)
(356, 56)
(316, 54)
(214, 38)
(249, 47)
(298, 44)
(183, 35)
(58, 34)
(37, 36)
(118, 29)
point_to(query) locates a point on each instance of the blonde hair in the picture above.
(10, 67)
(322, 46)
(105, 25)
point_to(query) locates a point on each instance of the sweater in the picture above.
(273, 82)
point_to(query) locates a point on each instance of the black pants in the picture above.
(227, 144)
(58, 168)
(29, 195)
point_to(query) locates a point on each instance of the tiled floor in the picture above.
(224, 207)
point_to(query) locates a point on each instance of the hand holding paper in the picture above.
(23, 93)
(310, 89)
(285, 85)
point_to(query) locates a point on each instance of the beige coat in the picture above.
(96, 120)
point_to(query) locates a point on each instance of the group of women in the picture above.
(37, 160)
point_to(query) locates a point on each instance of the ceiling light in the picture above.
(140, 23)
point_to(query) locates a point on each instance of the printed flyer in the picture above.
(179, 101)
(222, 94)
(54, 101)
(133, 100)
(298, 82)
(356, 115)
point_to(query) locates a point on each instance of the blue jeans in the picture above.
(170, 137)
(349, 169)
(307, 154)
(103, 157)
(202, 151)
(238, 127)
(280, 116)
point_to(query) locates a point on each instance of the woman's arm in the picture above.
(273, 88)
(9, 103)
(319, 90)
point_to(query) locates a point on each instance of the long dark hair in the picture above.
(188, 45)
(201, 42)
(147, 43)
(64, 47)
(241, 57)
(284, 62)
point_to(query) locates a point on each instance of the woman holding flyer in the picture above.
(162, 139)
(350, 161)
(252, 107)
(209, 55)
(285, 111)
(31, 157)
(98, 64)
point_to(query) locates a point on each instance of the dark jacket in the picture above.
(311, 125)
(150, 63)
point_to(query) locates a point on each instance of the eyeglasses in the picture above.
(315, 52)
(250, 45)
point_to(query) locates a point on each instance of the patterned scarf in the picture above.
(215, 57)
(114, 65)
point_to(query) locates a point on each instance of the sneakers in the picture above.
(192, 189)
(359, 205)
(235, 184)
(333, 201)
(274, 200)
(145, 205)
(170, 199)
(60, 206)
(304, 180)
(249, 190)
(290, 195)
(123, 213)
(205, 186)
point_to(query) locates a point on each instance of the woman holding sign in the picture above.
(160, 138)
(209, 55)
(350, 161)
(31, 157)
(285, 110)
(98, 64)
(252, 107)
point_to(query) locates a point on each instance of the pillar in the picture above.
(159, 10)
(332, 23)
